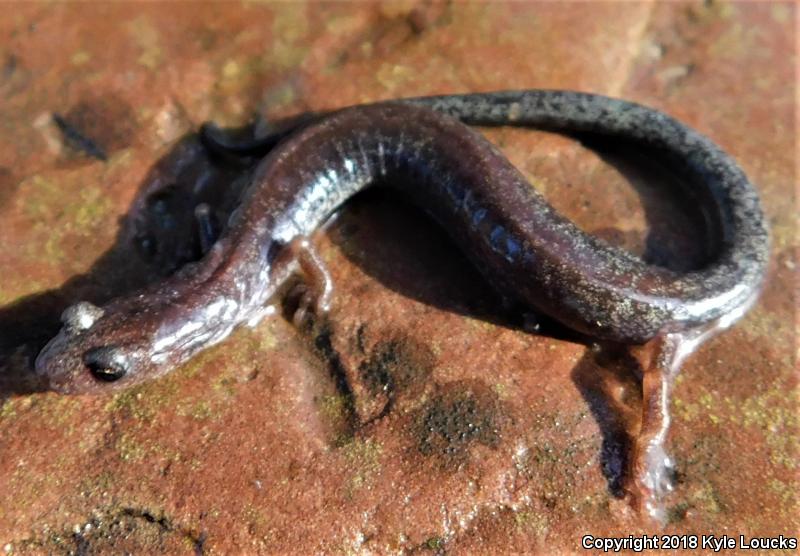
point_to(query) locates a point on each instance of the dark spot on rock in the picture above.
(360, 338)
(396, 366)
(394, 375)
(456, 417)
(14, 77)
(97, 127)
(394, 33)
(207, 38)
(77, 140)
(9, 66)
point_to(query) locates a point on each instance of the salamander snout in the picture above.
(91, 353)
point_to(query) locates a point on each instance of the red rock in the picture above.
(417, 417)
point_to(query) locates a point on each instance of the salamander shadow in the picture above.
(157, 235)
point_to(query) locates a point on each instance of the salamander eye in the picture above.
(106, 363)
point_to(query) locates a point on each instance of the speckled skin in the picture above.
(511, 233)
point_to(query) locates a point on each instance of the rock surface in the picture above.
(419, 417)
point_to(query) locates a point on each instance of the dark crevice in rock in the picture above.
(105, 529)
(324, 345)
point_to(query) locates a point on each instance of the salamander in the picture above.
(425, 148)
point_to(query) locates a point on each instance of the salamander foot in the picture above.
(315, 291)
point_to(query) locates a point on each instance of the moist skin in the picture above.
(524, 247)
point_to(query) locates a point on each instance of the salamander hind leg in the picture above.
(315, 290)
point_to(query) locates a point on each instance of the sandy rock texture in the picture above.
(419, 416)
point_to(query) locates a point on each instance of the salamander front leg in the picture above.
(316, 288)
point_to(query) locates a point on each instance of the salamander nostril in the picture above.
(106, 363)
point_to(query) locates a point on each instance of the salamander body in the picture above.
(424, 148)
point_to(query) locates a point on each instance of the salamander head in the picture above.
(94, 351)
